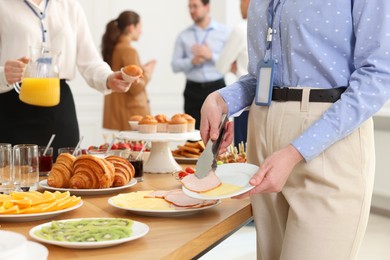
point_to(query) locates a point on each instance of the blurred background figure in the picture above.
(57, 25)
(234, 59)
(196, 50)
(118, 52)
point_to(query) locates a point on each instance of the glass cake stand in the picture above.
(160, 158)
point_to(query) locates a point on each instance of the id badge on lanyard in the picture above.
(265, 67)
(265, 80)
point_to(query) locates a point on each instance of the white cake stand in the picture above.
(160, 158)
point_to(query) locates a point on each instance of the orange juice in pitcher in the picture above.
(41, 83)
(40, 91)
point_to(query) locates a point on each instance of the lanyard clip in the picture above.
(269, 34)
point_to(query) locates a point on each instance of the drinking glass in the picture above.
(139, 169)
(26, 166)
(69, 150)
(45, 160)
(6, 184)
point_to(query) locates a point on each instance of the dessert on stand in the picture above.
(160, 158)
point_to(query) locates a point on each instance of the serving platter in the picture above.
(237, 174)
(139, 230)
(36, 216)
(43, 184)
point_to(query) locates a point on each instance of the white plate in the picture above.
(36, 216)
(139, 230)
(231, 173)
(36, 251)
(163, 213)
(78, 192)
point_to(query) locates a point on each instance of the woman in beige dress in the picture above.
(118, 52)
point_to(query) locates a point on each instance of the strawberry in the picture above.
(137, 147)
(189, 170)
(123, 146)
(115, 147)
(92, 147)
(182, 174)
(104, 146)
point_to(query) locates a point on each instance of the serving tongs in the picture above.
(210, 154)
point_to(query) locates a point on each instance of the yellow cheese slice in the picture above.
(222, 190)
(137, 200)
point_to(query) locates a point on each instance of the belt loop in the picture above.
(305, 99)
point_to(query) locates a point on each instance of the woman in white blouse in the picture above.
(59, 25)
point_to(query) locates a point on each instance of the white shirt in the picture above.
(67, 31)
(235, 50)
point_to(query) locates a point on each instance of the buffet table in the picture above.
(182, 237)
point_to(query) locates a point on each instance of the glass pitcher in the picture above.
(41, 83)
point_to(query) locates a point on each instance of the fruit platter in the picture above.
(89, 233)
(34, 205)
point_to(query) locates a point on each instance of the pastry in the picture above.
(62, 171)
(133, 70)
(177, 124)
(91, 172)
(124, 170)
(162, 123)
(133, 122)
(190, 122)
(147, 125)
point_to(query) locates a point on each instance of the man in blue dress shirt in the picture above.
(314, 140)
(196, 50)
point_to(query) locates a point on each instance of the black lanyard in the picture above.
(271, 10)
(41, 17)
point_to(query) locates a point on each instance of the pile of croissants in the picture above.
(90, 172)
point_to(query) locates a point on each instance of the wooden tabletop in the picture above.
(182, 237)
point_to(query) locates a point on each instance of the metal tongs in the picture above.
(217, 144)
(210, 153)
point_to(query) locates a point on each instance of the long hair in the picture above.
(114, 29)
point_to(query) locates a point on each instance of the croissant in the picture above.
(61, 171)
(90, 172)
(124, 170)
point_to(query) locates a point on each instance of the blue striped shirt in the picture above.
(214, 36)
(322, 44)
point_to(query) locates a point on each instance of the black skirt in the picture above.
(21, 123)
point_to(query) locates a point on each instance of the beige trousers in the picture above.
(322, 212)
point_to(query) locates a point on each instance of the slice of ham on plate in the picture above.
(181, 200)
(233, 180)
(209, 182)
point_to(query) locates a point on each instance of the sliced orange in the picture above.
(46, 207)
(48, 197)
(12, 210)
(68, 202)
(61, 195)
(22, 203)
(21, 195)
(5, 199)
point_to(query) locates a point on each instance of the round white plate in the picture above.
(139, 230)
(163, 213)
(230, 173)
(36, 251)
(36, 216)
(15, 246)
(78, 192)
